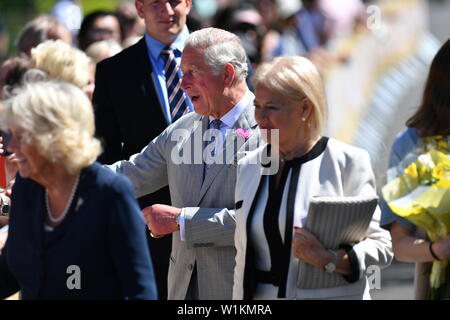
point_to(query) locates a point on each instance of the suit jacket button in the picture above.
(190, 267)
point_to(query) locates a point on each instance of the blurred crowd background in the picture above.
(373, 55)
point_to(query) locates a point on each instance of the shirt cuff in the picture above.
(181, 222)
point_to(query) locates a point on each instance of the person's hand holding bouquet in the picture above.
(421, 194)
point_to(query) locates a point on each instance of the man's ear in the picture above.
(229, 75)
(139, 4)
(188, 6)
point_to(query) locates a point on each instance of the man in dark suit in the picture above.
(134, 104)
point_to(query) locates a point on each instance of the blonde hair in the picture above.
(296, 78)
(103, 49)
(62, 61)
(58, 119)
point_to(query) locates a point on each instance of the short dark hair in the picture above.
(433, 116)
(12, 71)
(83, 37)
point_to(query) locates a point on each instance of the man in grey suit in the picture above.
(201, 174)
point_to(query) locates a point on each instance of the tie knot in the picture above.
(215, 124)
(168, 50)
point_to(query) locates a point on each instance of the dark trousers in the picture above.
(192, 291)
(160, 248)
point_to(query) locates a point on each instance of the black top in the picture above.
(279, 252)
(102, 236)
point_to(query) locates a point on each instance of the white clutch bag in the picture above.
(335, 221)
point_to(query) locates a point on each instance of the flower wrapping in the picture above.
(421, 194)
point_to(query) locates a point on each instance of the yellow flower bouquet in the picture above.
(421, 194)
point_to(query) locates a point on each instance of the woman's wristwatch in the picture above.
(331, 266)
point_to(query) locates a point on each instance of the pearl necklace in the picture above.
(64, 213)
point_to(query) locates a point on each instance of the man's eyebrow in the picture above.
(190, 66)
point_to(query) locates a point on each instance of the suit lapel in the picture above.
(245, 121)
(195, 167)
(147, 77)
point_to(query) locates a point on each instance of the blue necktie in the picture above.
(215, 124)
(175, 95)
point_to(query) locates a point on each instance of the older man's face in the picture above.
(164, 19)
(205, 89)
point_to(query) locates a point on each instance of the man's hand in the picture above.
(161, 219)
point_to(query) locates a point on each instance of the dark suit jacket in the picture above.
(102, 234)
(127, 108)
(128, 115)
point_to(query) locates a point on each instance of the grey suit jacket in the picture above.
(209, 205)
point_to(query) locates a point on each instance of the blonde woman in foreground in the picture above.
(76, 231)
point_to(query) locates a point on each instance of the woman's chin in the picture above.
(24, 172)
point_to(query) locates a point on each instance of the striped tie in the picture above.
(175, 95)
(215, 124)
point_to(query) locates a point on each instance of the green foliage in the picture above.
(6, 6)
(44, 6)
(16, 13)
(92, 5)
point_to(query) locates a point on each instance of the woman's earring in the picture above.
(303, 119)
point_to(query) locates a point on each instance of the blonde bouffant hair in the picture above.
(62, 61)
(296, 78)
(58, 119)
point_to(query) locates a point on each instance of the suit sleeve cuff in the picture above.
(354, 264)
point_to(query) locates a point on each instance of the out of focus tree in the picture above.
(16, 13)
(87, 5)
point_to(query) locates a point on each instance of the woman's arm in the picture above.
(409, 248)
(376, 248)
(128, 244)
(8, 284)
(309, 249)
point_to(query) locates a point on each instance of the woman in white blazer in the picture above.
(270, 208)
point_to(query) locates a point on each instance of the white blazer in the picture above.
(340, 170)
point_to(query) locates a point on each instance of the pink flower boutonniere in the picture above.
(243, 133)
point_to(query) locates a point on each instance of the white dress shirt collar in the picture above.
(230, 118)
(155, 46)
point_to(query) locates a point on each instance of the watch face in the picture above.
(330, 267)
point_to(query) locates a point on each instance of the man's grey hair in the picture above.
(221, 47)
